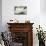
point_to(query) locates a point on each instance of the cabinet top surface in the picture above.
(20, 23)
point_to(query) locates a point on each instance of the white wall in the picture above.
(33, 10)
(43, 6)
(33, 14)
(0, 15)
(43, 14)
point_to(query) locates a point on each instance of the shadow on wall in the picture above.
(43, 6)
(0, 15)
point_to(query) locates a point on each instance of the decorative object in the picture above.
(27, 21)
(7, 38)
(20, 10)
(1, 40)
(41, 36)
(13, 21)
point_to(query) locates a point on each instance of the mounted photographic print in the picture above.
(20, 10)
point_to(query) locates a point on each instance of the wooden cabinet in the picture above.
(22, 33)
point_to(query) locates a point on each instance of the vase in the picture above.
(41, 43)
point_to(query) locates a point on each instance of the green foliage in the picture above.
(40, 33)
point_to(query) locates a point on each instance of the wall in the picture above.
(34, 14)
(43, 14)
(33, 10)
(0, 15)
(43, 6)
